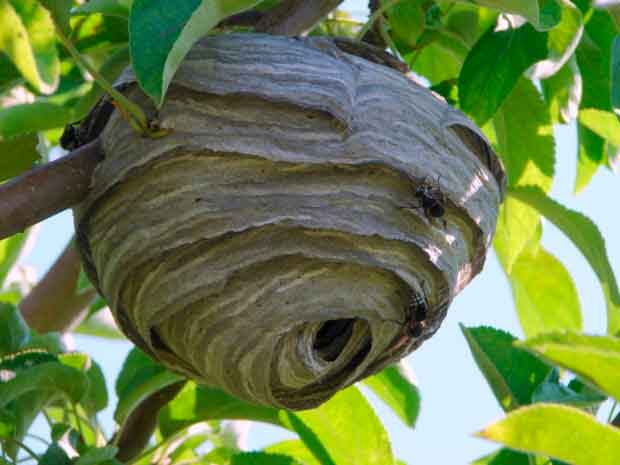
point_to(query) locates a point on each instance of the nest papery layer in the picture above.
(270, 245)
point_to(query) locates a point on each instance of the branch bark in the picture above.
(293, 17)
(141, 423)
(55, 304)
(47, 190)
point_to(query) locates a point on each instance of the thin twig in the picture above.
(294, 17)
(140, 425)
(47, 190)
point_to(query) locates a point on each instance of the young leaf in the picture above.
(545, 301)
(588, 239)
(170, 32)
(27, 37)
(327, 431)
(594, 358)
(29, 118)
(512, 374)
(195, 404)
(558, 431)
(395, 386)
(493, 67)
(14, 333)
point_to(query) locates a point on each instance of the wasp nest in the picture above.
(307, 221)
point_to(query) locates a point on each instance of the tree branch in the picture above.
(47, 190)
(55, 304)
(293, 17)
(141, 423)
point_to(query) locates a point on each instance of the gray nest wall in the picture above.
(271, 244)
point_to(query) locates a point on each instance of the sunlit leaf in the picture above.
(594, 358)
(119, 8)
(394, 385)
(11, 247)
(587, 238)
(604, 124)
(27, 37)
(512, 373)
(195, 404)
(32, 117)
(170, 33)
(558, 431)
(295, 448)
(543, 14)
(59, 9)
(494, 66)
(545, 301)
(326, 431)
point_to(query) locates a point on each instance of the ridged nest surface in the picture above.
(274, 244)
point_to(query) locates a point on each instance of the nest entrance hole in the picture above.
(333, 336)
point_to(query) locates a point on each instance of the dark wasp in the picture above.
(417, 311)
(432, 200)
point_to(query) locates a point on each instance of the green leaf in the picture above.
(18, 154)
(327, 431)
(97, 456)
(294, 448)
(27, 37)
(407, 21)
(588, 239)
(512, 373)
(59, 9)
(50, 376)
(394, 385)
(563, 91)
(494, 66)
(594, 58)
(11, 247)
(594, 358)
(196, 404)
(604, 124)
(545, 301)
(262, 458)
(55, 455)
(558, 431)
(137, 392)
(562, 41)
(543, 15)
(615, 75)
(14, 333)
(556, 393)
(32, 117)
(525, 137)
(119, 8)
(504, 457)
(170, 33)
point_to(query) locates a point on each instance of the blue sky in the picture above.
(456, 400)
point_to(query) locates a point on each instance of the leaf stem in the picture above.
(385, 35)
(612, 411)
(136, 117)
(374, 17)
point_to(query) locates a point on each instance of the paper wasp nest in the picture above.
(275, 244)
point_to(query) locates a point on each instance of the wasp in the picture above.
(432, 200)
(417, 312)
